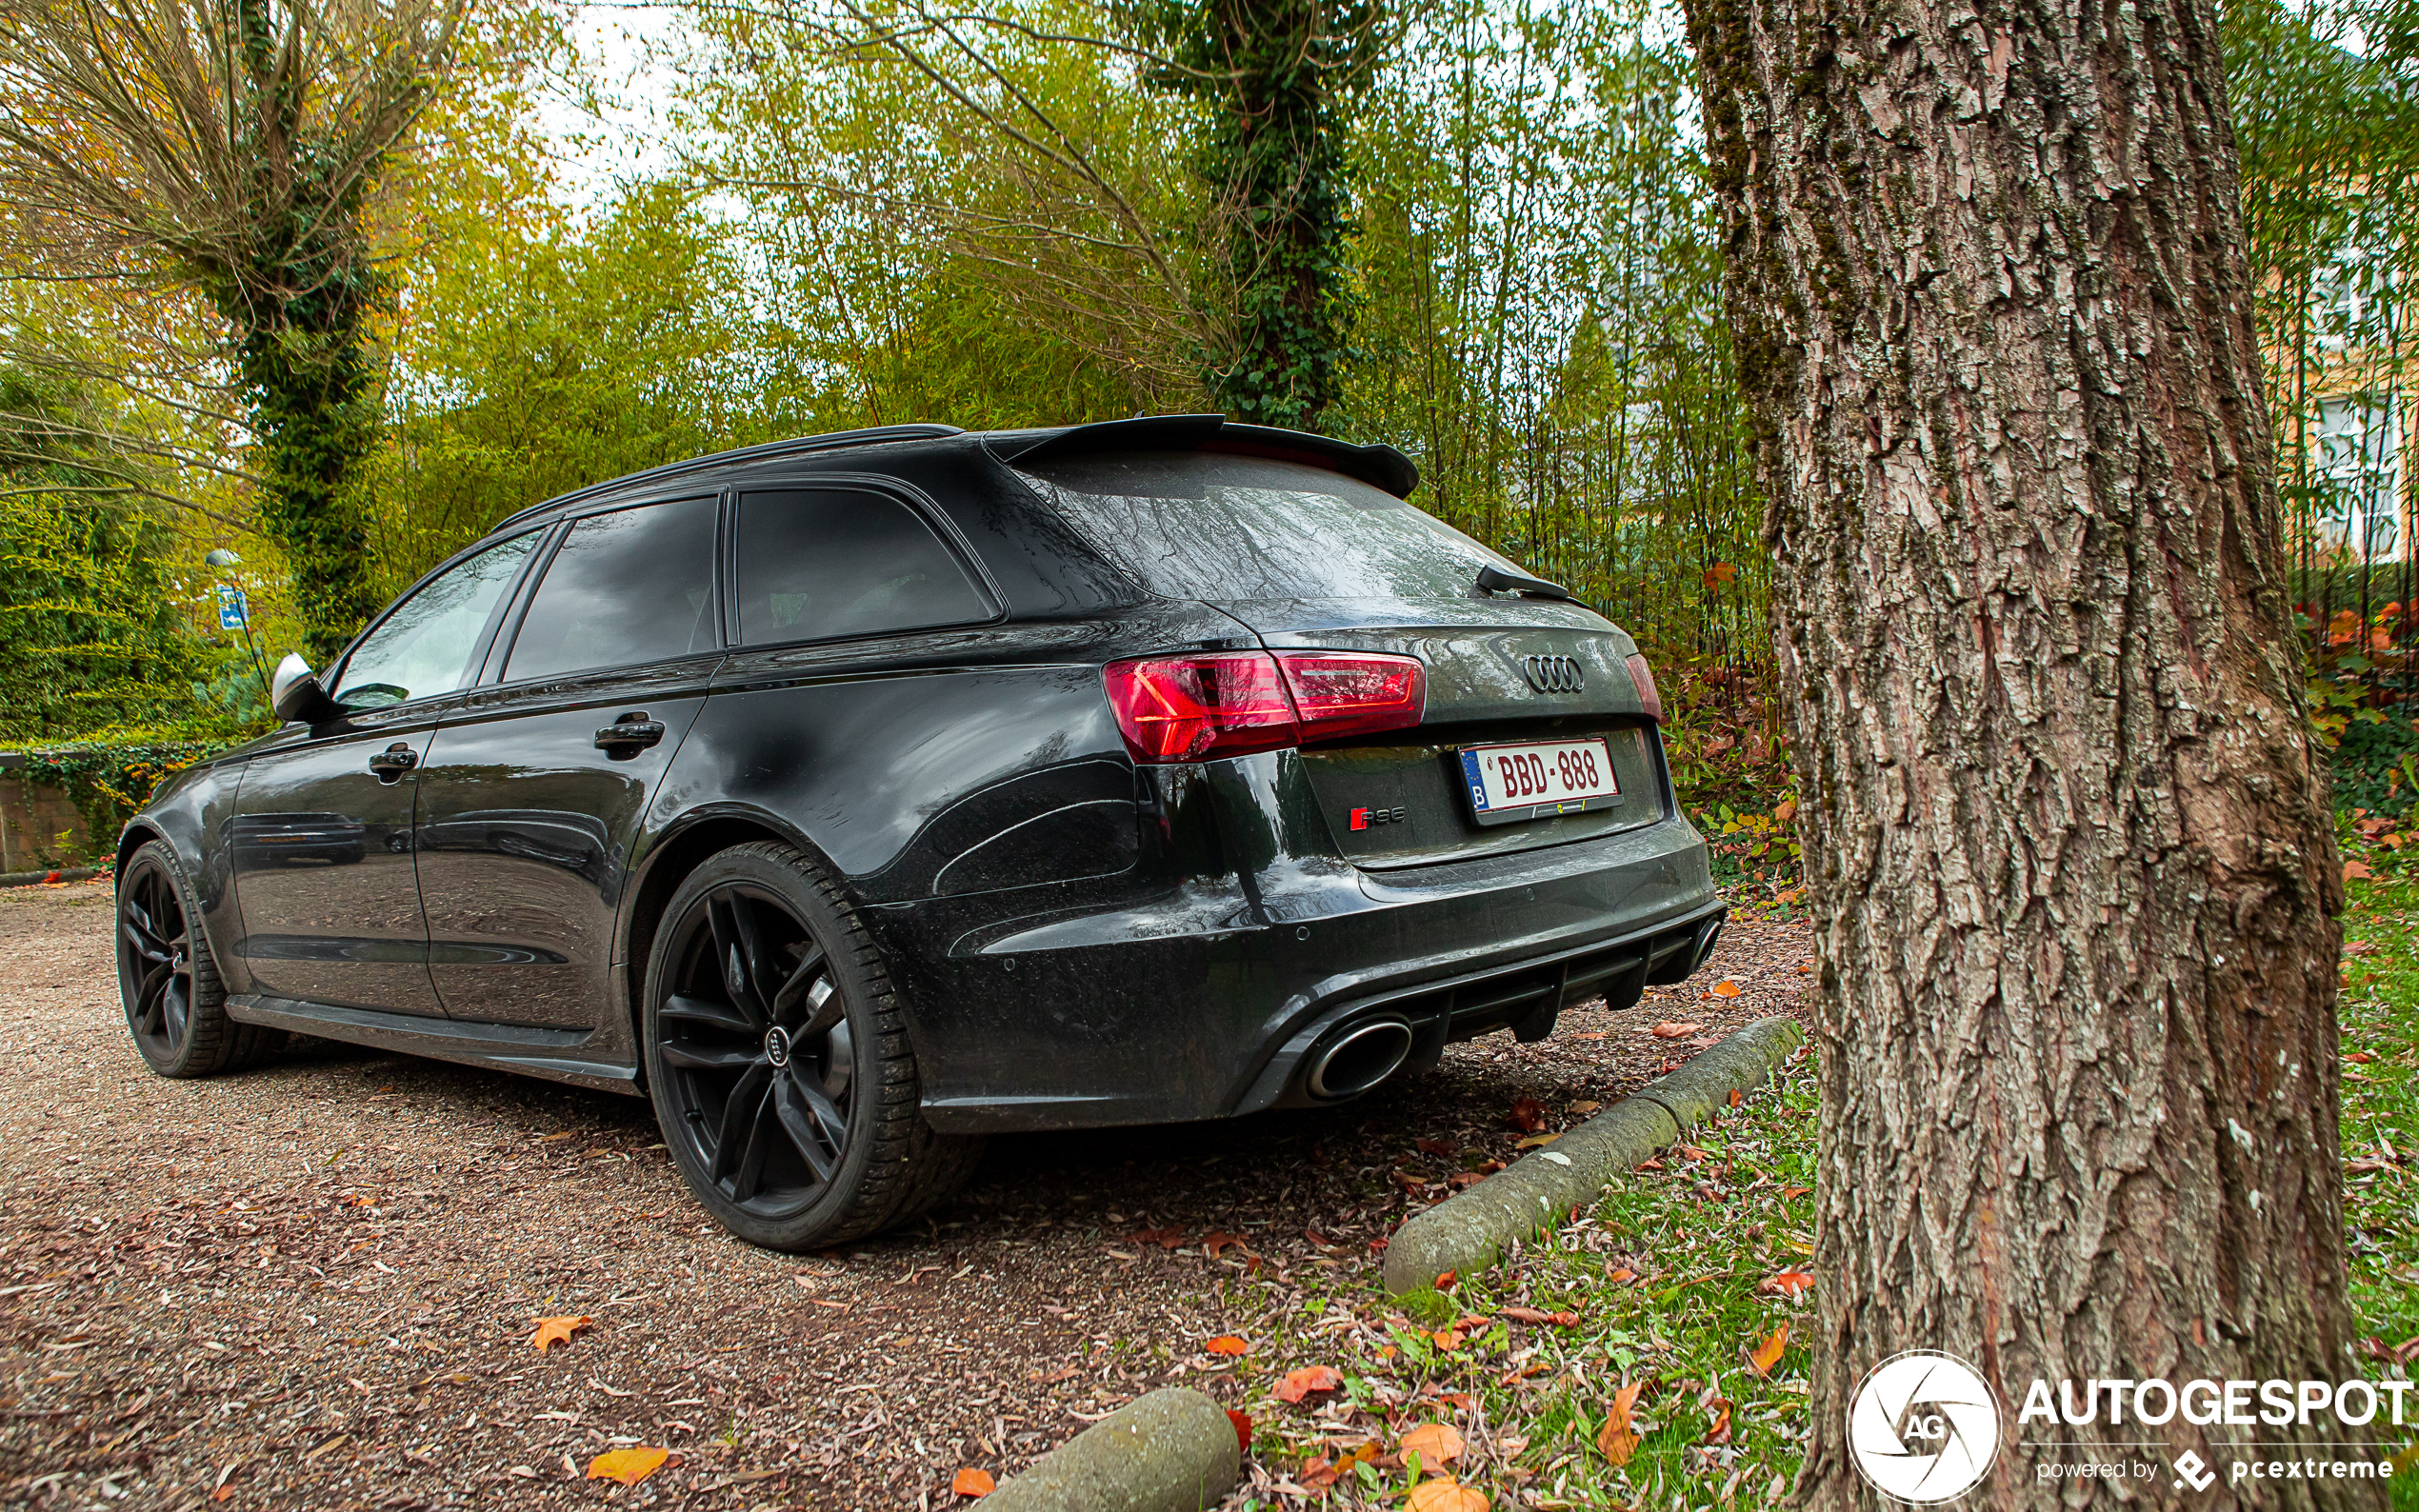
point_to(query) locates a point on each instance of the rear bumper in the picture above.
(1212, 998)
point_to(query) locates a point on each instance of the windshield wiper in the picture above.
(1495, 580)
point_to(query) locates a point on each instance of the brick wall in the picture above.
(31, 817)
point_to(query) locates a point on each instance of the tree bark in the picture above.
(2068, 847)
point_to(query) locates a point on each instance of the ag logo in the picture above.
(1923, 1427)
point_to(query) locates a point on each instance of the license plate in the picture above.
(1508, 782)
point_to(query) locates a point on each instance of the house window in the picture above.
(2355, 459)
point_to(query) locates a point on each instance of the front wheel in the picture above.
(167, 979)
(777, 1056)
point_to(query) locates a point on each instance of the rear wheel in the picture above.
(777, 1056)
(167, 981)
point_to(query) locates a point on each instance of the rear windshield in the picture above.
(1196, 524)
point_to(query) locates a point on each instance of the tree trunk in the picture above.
(2069, 848)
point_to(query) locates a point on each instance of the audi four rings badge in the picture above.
(1555, 674)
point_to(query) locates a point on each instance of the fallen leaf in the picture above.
(2362, 1056)
(1437, 1146)
(1720, 1432)
(1242, 1429)
(1616, 1439)
(1300, 1384)
(971, 1483)
(1625, 1273)
(2357, 871)
(1668, 1030)
(553, 1331)
(1767, 1354)
(1790, 1194)
(1790, 1283)
(1164, 1238)
(1560, 1320)
(1228, 1344)
(1213, 1242)
(628, 1467)
(1536, 1141)
(1527, 1114)
(1724, 988)
(1445, 1339)
(1649, 1165)
(1434, 1443)
(1737, 1097)
(222, 1493)
(1445, 1494)
(1318, 1474)
(1445, 1280)
(1063, 1373)
(1586, 1106)
(549, 1138)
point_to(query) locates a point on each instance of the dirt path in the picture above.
(314, 1285)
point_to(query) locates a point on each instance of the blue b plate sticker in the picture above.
(1509, 782)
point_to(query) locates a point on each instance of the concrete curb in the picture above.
(1471, 1229)
(27, 879)
(1175, 1450)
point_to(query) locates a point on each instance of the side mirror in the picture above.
(295, 694)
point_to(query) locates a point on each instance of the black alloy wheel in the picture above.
(167, 981)
(756, 1037)
(777, 1056)
(155, 948)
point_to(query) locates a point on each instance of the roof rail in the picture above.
(831, 440)
(1380, 465)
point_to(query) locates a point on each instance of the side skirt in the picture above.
(549, 1053)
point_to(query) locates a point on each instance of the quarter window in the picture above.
(823, 563)
(423, 647)
(631, 586)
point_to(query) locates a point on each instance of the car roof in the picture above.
(1382, 466)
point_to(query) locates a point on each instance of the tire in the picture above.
(168, 980)
(778, 1061)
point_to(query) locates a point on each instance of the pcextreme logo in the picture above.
(1923, 1427)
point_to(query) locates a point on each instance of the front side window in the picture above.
(424, 647)
(821, 563)
(631, 586)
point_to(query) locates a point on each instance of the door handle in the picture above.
(629, 735)
(393, 762)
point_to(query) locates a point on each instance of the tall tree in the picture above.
(2068, 844)
(233, 145)
(1277, 75)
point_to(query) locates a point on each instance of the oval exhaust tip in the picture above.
(1366, 1055)
(1705, 945)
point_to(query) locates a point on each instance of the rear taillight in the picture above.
(1181, 708)
(1643, 675)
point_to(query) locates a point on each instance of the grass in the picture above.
(1665, 1284)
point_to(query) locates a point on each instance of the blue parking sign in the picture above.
(230, 609)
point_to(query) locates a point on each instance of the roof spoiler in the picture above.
(1381, 466)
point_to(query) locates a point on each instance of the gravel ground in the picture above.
(314, 1285)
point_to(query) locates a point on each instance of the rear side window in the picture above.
(830, 562)
(1200, 524)
(633, 585)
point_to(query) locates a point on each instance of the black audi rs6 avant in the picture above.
(858, 796)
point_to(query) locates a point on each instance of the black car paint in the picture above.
(1084, 940)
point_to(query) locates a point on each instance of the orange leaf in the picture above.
(1242, 1429)
(1790, 1283)
(1445, 1494)
(1228, 1344)
(1447, 1340)
(553, 1331)
(1445, 1280)
(1766, 1355)
(1527, 1114)
(1737, 1097)
(628, 1467)
(1668, 1030)
(1536, 1141)
(1720, 1432)
(1725, 989)
(1164, 1238)
(1560, 1320)
(1300, 1384)
(2357, 871)
(1790, 1194)
(971, 1483)
(1625, 1273)
(1616, 1439)
(1434, 1443)
(1220, 1240)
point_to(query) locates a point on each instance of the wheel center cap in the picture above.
(777, 1046)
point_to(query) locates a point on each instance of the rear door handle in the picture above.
(629, 737)
(393, 762)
